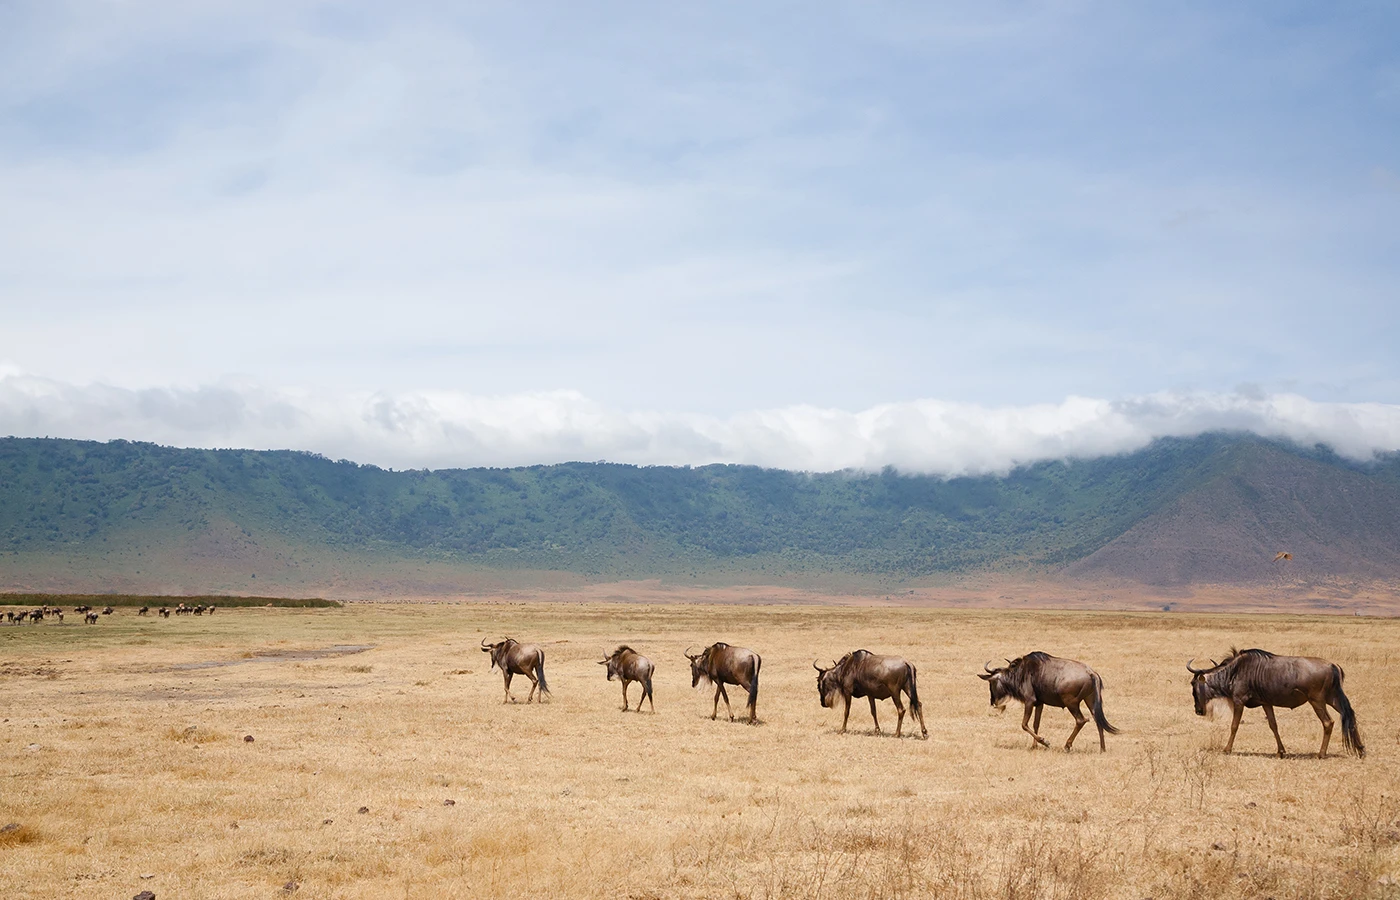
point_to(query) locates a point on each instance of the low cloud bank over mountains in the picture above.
(445, 429)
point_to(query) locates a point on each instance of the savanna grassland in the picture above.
(384, 764)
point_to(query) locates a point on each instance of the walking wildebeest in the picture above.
(628, 666)
(164, 612)
(516, 658)
(861, 673)
(1039, 680)
(143, 610)
(91, 618)
(721, 664)
(1250, 678)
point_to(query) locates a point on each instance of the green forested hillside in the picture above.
(61, 497)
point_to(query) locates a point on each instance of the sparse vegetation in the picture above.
(146, 769)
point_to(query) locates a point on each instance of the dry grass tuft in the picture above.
(15, 834)
(194, 734)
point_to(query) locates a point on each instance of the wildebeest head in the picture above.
(1202, 689)
(698, 670)
(1000, 681)
(614, 662)
(829, 682)
(497, 650)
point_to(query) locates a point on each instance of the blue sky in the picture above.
(667, 213)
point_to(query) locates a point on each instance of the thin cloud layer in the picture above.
(443, 429)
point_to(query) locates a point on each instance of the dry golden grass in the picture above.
(122, 754)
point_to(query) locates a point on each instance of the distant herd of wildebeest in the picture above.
(1244, 679)
(91, 616)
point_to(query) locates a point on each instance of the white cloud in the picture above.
(448, 429)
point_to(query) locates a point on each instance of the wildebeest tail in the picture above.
(753, 685)
(1351, 734)
(1099, 719)
(539, 673)
(914, 704)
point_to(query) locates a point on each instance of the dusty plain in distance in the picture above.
(384, 764)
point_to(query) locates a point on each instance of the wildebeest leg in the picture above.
(647, 695)
(1234, 726)
(847, 717)
(534, 683)
(1320, 707)
(899, 708)
(1035, 726)
(509, 698)
(872, 714)
(1026, 725)
(727, 708)
(1079, 720)
(625, 704)
(1273, 726)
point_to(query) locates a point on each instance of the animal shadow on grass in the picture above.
(738, 720)
(1269, 754)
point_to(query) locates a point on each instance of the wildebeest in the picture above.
(627, 665)
(516, 658)
(107, 610)
(143, 610)
(1039, 680)
(91, 618)
(164, 612)
(1250, 678)
(861, 673)
(721, 664)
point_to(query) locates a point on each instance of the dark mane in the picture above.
(1245, 656)
(851, 657)
(621, 649)
(1037, 655)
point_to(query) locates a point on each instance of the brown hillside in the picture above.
(1337, 524)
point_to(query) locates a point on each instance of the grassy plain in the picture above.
(122, 755)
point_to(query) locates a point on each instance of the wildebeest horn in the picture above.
(484, 645)
(988, 666)
(687, 655)
(1192, 669)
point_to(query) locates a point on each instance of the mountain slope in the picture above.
(1335, 521)
(78, 514)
